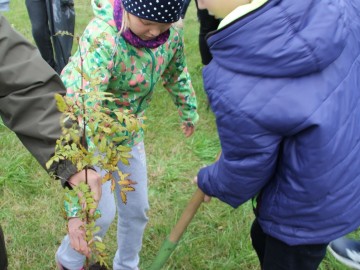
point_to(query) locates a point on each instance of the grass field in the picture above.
(218, 237)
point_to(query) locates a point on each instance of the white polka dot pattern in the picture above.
(162, 11)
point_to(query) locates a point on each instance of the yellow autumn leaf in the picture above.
(125, 161)
(99, 245)
(113, 183)
(49, 163)
(120, 116)
(127, 189)
(122, 175)
(78, 69)
(126, 182)
(106, 130)
(60, 102)
(107, 177)
(102, 146)
(120, 138)
(123, 197)
(109, 152)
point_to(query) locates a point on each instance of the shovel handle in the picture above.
(171, 242)
(186, 216)
(188, 213)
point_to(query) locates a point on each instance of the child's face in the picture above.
(219, 8)
(146, 30)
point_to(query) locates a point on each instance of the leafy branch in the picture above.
(94, 135)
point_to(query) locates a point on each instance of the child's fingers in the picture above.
(206, 197)
(187, 130)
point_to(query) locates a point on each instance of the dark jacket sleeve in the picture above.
(27, 104)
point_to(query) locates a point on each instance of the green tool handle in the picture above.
(171, 242)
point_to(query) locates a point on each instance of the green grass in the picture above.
(217, 238)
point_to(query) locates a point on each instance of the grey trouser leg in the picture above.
(132, 217)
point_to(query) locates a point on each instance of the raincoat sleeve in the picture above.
(177, 82)
(248, 159)
(27, 104)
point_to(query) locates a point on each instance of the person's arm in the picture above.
(27, 104)
(248, 159)
(177, 82)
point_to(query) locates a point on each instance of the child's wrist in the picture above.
(189, 123)
(71, 206)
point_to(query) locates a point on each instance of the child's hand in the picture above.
(206, 197)
(188, 130)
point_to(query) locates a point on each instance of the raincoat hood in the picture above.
(281, 39)
(104, 10)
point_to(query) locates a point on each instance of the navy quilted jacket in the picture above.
(284, 85)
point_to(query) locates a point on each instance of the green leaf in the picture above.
(60, 103)
(49, 163)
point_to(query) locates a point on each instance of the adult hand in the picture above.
(206, 197)
(93, 180)
(77, 236)
(187, 130)
(75, 225)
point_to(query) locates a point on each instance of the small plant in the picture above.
(93, 135)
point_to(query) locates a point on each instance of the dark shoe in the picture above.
(346, 251)
(97, 266)
(60, 267)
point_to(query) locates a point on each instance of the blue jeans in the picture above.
(274, 254)
(132, 217)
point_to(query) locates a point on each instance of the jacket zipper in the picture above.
(151, 80)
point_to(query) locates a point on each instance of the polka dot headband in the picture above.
(162, 11)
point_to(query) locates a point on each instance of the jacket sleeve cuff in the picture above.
(204, 182)
(64, 171)
(207, 178)
(189, 123)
